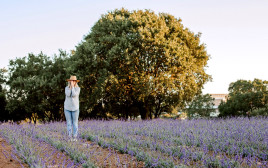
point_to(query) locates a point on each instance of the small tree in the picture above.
(27, 85)
(244, 97)
(37, 85)
(201, 106)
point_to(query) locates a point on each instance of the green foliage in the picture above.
(201, 106)
(245, 97)
(3, 113)
(131, 63)
(260, 111)
(2, 76)
(37, 87)
(4, 116)
(139, 60)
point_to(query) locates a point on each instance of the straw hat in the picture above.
(73, 78)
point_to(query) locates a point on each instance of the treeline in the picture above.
(131, 63)
(245, 98)
(34, 87)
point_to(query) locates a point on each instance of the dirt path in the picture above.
(8, 158)
(109, 157)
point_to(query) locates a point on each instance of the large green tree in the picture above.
(244, 97)
(139, 59)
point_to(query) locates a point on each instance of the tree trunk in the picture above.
(147, 114)
(143, 111)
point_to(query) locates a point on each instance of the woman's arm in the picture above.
(75, 91)
(68, 91)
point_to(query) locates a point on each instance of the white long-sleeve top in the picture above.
(71, 102)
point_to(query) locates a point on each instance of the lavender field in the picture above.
(233, 142)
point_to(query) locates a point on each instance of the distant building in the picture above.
(218, 99)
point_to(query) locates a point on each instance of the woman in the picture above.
(71, 106)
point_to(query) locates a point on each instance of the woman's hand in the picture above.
(72, 84)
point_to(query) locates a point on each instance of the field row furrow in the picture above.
(9, 156)
(35, 152)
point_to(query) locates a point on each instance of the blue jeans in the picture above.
(72, 121)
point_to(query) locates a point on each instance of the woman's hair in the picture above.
(69, 84)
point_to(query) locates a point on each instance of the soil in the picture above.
(104, 157)
(8, 158)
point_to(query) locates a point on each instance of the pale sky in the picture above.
(234, 31)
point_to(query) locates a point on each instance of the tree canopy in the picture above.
(131, 63)
(37, 87)
(3, 113)
(244, 97)
(139, 59)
